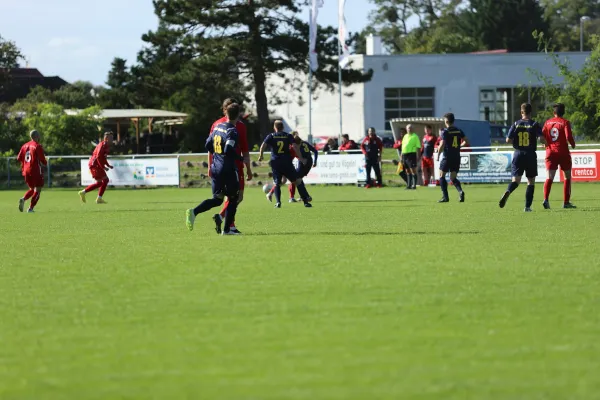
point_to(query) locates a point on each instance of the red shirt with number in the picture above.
(31, 156)
(558, 134)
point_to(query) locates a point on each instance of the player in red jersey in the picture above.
(427, 150)
(31, 156)
(98, 166)
(242, 150)
(558, 135)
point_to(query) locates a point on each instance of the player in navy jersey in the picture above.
(222, 143)
(452, 139)
(523, 135)
(306, 151)
(281, 162)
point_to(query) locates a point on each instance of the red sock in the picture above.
(272, 190)
(547, 188)
(93, 186)
(225, 204)
(567, 190)
(103, 186)
(292, 190)
(28, 194)
(425, 182)
(34, 200)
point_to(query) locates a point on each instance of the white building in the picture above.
(485, 86)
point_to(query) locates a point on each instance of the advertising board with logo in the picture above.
(343, 168)
(585, 166)
(137, 172)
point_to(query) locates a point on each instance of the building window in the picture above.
(408, 103)
(502, 106)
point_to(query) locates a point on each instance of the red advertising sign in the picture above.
(585, 166)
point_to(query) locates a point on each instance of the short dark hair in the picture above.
(526, 108)
(278, 125)
(227, 102)
(559, 109)
(233, 111)
(449, 117)
(429, 127)
(346, 136)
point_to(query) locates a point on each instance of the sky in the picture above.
(78, 39)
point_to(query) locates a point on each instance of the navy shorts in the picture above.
(283, 168)
(450, 164)
(303, 170)
(227, 184)
(524, 162)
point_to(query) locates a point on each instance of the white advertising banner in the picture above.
(137, 172)
(492, 167)
(342, 168)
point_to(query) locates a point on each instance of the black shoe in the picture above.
(307, 205)
(546, 205)
(461, 197)
(443, 200)
(569, 205)
(277, 205)
(235, 230)
(218, 221)
(504, 199)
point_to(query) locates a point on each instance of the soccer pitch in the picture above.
(372, 294)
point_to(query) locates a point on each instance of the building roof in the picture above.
(135, 113)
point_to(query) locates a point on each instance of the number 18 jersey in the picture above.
(524, 134)
(558, 134)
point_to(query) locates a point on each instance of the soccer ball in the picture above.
(267, 187)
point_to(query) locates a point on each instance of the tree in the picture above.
(62, 133)
(504, 24)
(564, 19)
(78, 95)
(118, 94)
(10, 55)
(579, 93)
(251, 39)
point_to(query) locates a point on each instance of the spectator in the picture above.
(347, 144)
(427, 150)
(330, 146)
(372, 148)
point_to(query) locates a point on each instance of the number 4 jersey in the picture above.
(558, 134)
(31, 156)
(524, 134)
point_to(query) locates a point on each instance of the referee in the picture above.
(411, 144)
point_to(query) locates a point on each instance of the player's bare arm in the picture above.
(261, 151)
(439, 149)
(248, 166)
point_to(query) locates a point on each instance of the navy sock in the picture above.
(529, 195)
(230, 212)
(207, 205)
(414, 180)
(277, 194)
(404, 176)
(302, 191)
(457, 185)
(513, 186)
(444, 186)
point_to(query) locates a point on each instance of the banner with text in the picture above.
(342, 168)
(492, 167)
(137, 172)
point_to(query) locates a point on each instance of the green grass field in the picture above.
(372, 294)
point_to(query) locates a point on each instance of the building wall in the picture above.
(456, 78)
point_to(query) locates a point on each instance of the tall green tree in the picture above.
(564, 19)
(250, 39)
(10, 55)
(78, 95)
(579, 91)
(118, 95)
(506, 24)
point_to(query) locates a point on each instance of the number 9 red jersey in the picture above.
(558, 134)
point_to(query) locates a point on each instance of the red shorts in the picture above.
(99, 174)
(427, 162)
(34, 181)
(241, 177)
(553, 160)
